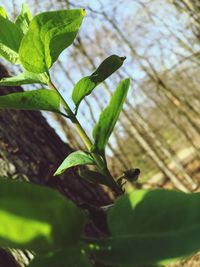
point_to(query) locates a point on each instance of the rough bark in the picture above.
(31, 150)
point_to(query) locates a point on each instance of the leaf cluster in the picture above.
(145, 227)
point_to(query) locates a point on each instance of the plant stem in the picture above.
(72, 117)
(99, 161)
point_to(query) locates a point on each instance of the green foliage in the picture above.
(150, 227)
(52, 32)
(32, 100)
(3, 12)
(75, 159)
(108, 118)
(69, 257)
(24, 18)
(10, 39)
(86, 85)
(145, 227)
(37, 218)
(24, 78)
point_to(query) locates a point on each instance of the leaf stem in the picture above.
(100, 161)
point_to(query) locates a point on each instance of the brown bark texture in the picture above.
(31, 150)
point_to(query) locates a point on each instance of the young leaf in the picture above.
(48, 35)
(10, 39)
(37, 218)
(24, 18)
(31, 100)
(85, 86)
(132, 174)
(75, 159)
(108, 117)
(3, 12)
(149, 227)
(24, 78)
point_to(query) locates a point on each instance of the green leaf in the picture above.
(149, 227)
(37, 218)
(24, 78)
(3, 12)
(86, 85)
(75, 159)
(31, 100)
(84, 262)
(69, 257)
(10, 39)
(48, 35)
(24, 18)
(94, 177)
(108, 117)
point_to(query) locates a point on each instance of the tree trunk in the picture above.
(31, 150)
